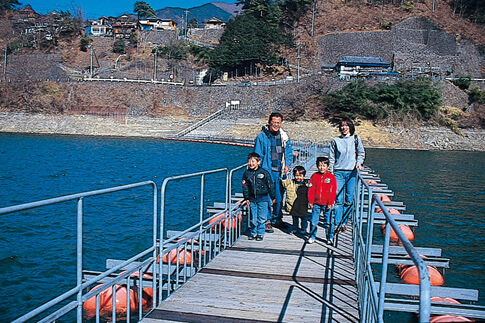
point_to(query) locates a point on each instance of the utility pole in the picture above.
(5, 65)
(186, 23)
(299, 57)
(91, 63)
(155, 64)
(313, 17)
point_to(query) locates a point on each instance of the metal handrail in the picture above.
(307, 153)
(177, 273)
(199, 123)
(371, 303)
(79, 247)
(204, 226)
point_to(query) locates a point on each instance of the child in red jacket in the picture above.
(322, 191)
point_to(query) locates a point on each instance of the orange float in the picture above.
(410, 275)
(401, 267)
(147, 293)
(89, 305)
(184, 257)
(390, 210)
(384, 198)
(225, 223)
(447, 318)
(404, 228)
(448, 300)
(106, 302)
(121, 299)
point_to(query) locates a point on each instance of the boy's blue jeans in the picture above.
(346, 181)
(259, 214)
(315, 217)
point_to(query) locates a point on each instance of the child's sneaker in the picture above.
(310, 241)
(259, 238)
(251, 237)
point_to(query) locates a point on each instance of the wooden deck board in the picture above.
(281, 278)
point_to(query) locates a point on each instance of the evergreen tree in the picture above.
(193, 23)
(472, 9)
(8, 4)
(267, 11)
(83, 44)
(119, 46)
(294, 10)
(143, 9)
(246, 41)
(417, 98)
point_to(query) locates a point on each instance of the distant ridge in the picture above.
(221, 10)
(231, 8)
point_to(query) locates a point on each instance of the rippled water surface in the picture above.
(445, 191)
(38, 247)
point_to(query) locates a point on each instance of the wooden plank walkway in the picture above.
(279, 279)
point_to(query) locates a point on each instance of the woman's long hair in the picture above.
(349, 123)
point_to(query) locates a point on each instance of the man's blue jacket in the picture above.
(262, 146)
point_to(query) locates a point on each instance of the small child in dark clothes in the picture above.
(296, 203)
(257, 184)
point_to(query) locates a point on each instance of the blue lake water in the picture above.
(444, 190)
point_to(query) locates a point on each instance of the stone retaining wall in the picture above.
(163, 37)
(207, 35)
(416, 41)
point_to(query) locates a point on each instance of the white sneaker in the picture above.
(330, 242)
(310, 241)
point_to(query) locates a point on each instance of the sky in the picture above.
(96, 8)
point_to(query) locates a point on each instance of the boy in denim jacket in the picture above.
(257, 184)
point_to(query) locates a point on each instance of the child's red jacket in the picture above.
(322, 189)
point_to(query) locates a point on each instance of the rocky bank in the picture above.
(227, 128)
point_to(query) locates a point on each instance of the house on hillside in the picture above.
(100, 27)
(36, 28)
(25, 19)
(363, 67)
(214, 23)
(154, 23)
(124, 26)
(27, 14)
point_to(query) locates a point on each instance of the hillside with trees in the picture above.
(265, 41)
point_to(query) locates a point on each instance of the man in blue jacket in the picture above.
(274, 147)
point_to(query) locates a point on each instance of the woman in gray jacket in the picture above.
(347, 154)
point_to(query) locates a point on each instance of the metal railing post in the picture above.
(79, 253)
(154, 246)
(201, 210)
(385, 258)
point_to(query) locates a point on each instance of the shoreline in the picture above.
(240, 131)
